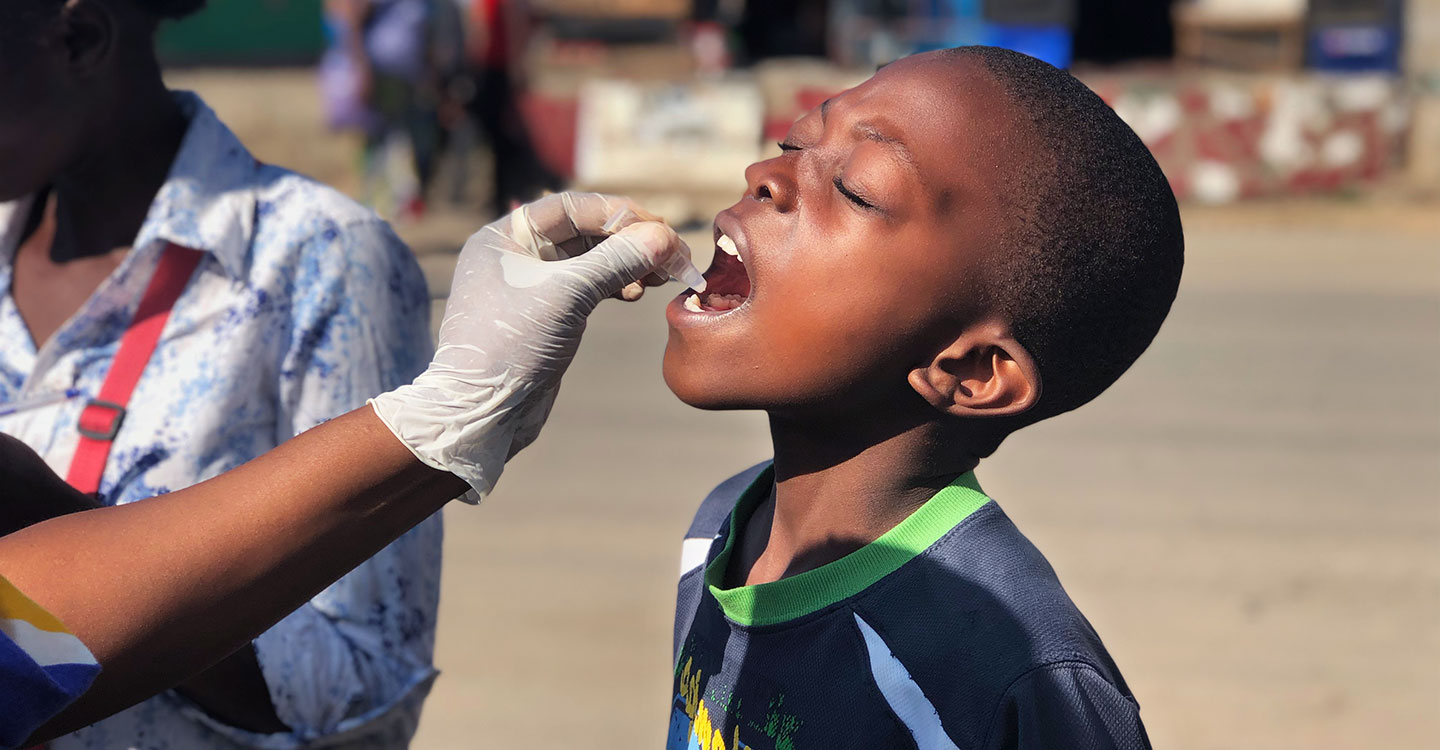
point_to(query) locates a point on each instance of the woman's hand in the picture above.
(523, 288)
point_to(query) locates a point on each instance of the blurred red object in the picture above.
(551, 123)
(710, 47)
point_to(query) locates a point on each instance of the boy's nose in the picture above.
(770, 181)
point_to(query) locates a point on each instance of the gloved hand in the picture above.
(523, 288)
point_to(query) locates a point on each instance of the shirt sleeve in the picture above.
(1067, 705)
(357, 657)
(43, 667)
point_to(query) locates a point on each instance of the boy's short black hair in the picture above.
(1091, 263)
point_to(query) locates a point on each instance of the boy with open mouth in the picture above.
(967, 243)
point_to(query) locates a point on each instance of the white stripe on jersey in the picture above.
(904, 696)
(692, 554)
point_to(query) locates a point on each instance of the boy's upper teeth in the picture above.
(728, 246)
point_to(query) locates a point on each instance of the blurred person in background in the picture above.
(492, 48)
(288, 304)
(378, 77)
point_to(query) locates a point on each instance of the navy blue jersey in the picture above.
(949, 631)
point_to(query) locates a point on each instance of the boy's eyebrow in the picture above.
(870, 132)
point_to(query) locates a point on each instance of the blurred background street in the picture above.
(1250, 518)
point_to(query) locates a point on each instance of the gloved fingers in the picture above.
(570, 222)
(510, 234)
(627, 215)
(626, 257)
(630, 292)
(594, 214)
(636, 289)
(623, 218)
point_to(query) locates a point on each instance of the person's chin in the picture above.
(698, 385)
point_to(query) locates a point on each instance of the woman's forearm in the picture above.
(163, 588)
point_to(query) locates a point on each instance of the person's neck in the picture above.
(102, 198)
(840, 486)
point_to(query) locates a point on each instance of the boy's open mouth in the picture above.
(727, 282)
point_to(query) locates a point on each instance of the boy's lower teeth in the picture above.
(724, 301)
(714, 302)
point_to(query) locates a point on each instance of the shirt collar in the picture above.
(12, 221)
(208, 200)
(805, 593)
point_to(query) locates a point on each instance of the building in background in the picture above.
(1238, 99)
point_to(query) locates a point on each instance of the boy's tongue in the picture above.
(726, 278)
(727, 284)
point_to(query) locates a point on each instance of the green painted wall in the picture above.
(231, 32)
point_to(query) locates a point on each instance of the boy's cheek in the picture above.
(785, 358)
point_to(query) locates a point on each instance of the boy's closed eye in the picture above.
(854, 197)
(852, 194)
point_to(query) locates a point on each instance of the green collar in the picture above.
(813, 590)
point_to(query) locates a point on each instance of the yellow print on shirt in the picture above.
(703, 734)
(700, 715)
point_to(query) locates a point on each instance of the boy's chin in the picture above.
(703, 387)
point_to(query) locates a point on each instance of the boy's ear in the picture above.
(983, 373)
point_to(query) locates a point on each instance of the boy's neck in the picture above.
(839, 488)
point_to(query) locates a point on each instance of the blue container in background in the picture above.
(1053, 44)
(948, 23)
(954, 23)
(1355, 35)
(1355, 48)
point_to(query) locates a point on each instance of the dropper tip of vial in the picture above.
(684, 271)
(679, 267)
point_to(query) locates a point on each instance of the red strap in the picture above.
(101, 417)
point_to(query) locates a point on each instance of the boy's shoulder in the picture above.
(982, 614)
(983, 576)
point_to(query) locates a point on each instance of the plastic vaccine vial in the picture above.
(678, 267)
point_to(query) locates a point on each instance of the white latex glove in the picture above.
(522, 290)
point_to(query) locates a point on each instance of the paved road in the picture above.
(1251, 517)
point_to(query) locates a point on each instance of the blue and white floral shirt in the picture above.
(304, 306)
